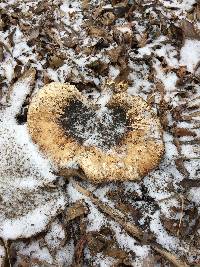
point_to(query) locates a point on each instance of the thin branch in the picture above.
(132, 229)
(6, 246)
(181, 218)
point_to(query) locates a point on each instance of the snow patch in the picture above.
(190, 54)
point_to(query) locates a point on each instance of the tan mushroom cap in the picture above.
(139, 151)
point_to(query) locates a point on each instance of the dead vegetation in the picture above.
(81, 48)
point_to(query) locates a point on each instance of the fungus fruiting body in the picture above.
(122, 141)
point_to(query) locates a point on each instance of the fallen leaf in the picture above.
(189, 30)
(114, 53)
(108, 18)
(55, 62)
(181, 168)
(179, 132)
(96, 32)
(76, 210)
(181, 72)
(143, 39)
(1, 53)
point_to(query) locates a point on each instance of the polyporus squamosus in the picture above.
(27, 199)
(121, 142)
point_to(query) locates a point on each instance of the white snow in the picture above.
(36, 251)
(129, 243)
(33, 222)
(190, 54)
(168, 241)
(55, 235)
(25, 175)
(193, 167)
(157, 184)
(113, 72)
(95, 219)
(65, 254)
(69, 8)
(22, 171)
(194, 195)
(170, 151)
(183, 4)
(169, 53)
(190, 151)
(2, 255)
(103, 261)
(147, 49)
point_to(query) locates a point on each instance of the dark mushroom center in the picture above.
(102, 128)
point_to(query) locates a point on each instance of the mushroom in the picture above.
(122, 141)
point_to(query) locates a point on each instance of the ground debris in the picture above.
(145, 48)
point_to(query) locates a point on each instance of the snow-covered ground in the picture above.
(150, 49)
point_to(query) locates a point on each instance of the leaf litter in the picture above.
(147, 48)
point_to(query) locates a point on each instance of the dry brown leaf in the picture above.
(171, 225)
(122, 80)
(10, 37)
(97, 12)
(55, 62)
(179, 132)
(181, 168)
(33, 33)
(114, 54)
(108, 18)
(78, 209)
(99, 67)
(1, 24)
(120, 8)
(78, 254)
(124, 35)
(143, 39)
(177, 144)
(71, 41)
(6, 47)
(176, 113)
(151, 99)
(181, 72)
(116, 253)
(18, 70)
(96, 243)
(1, 53)
(189, 30)
(96, 32)
(161, 88)
(195, 114)
(189, 183)
(85, 4)
(132, 229)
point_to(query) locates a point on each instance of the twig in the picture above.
(192, 158)
(6, 246)
(191, 142)
(132, 229)
(116, 214)
(181, 218)
(169, 256)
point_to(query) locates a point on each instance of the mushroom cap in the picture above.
(138, 150)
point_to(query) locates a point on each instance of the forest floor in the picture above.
(147, 48)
